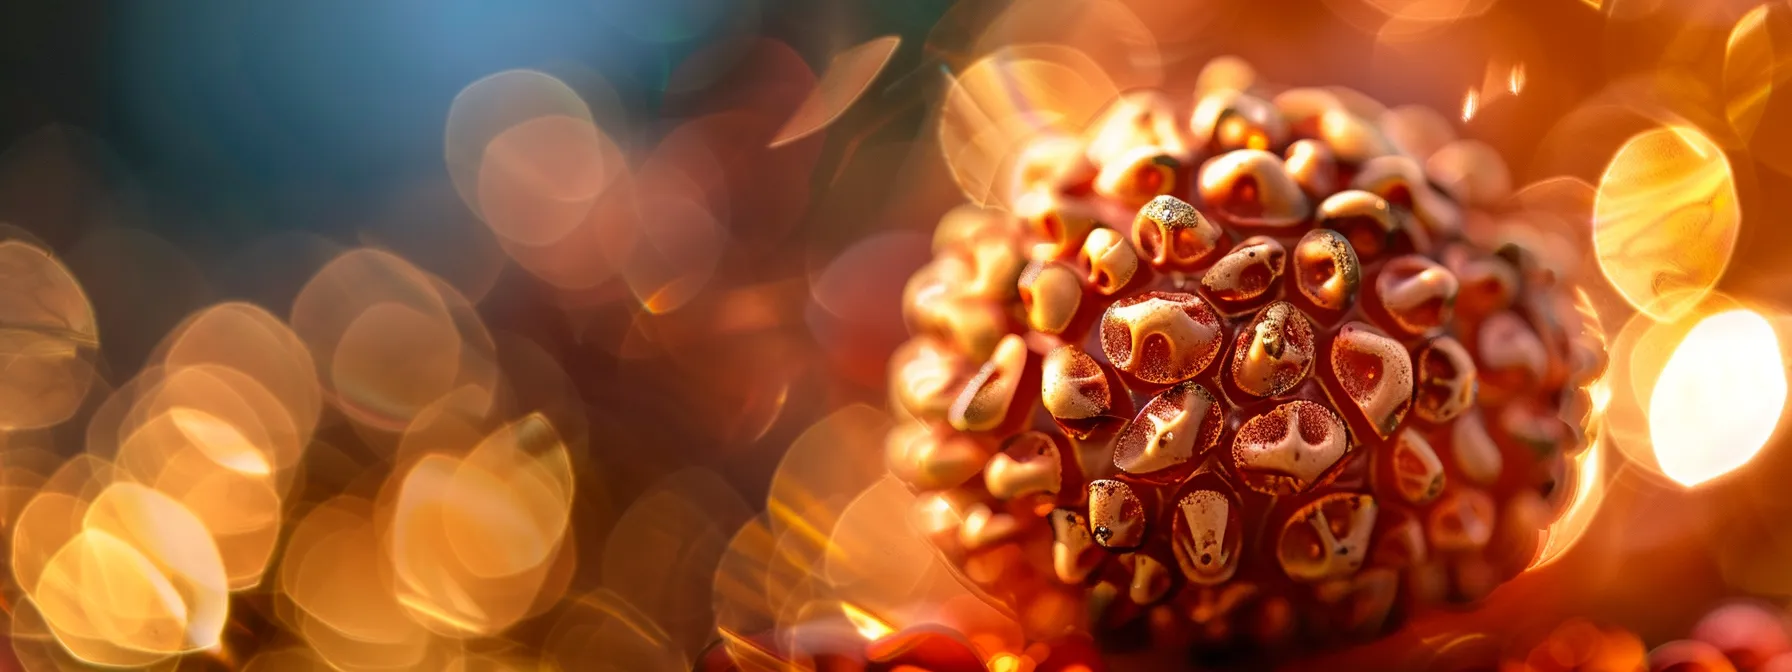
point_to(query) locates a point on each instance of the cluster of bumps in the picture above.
(1258, 372)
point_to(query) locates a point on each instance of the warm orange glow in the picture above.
(1665, 220)
(1589, 492)
(1470, 102)
(869, 627)
(1004, 662)
(1719, 398)
(1515, 80)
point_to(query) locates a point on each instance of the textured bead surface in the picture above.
(1250, 380)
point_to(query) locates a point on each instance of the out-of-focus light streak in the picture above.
(1719, 397)
(870, 627)
(1471, 103)
(1515, 79)
(847, 78)
(1589, 493)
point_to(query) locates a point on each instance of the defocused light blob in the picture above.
(333, 571)
(498, 103)
(249, 339)
(47, 523)
(848, 76)
(217, 472)
(1104, 33)
(141, 577)
(1005, 99)
(1471, 101)
(47, 339)
(388, 338)
(539, 178)
(876, 560)
(295, 659)
(473, 540)
(1719, 398)
(603, 630)
(824, 470)
(109, 605)
(679, 245)
(1515, 79)
(1665, 220)
(663, 552)
(1757, 69)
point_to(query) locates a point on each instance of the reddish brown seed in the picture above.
(1375, 373)
(1400, 545)
(1074, 553)
(1073, 386)
(1474, 450)
(1446, 380)
(930, 460)
(1748, 634)
(963, 226)
(1137, 175)
(1274, 352)
(1225, 73)
(1418, 474)
(1052, 163)
(1139, 118)
(933, 304)
(985, 527)
(1170, 431)
(1051, 293)
(1416, 292)
(1463, 520)
(1355, 140)
(1688, 655)
(1326, 269)
(1229, 120)
(1303, 107)
(1313, 167)
(1366, 220)
(1328, 538)
(1416, 130)
(1471, 171)
(1029, 464)
(1487, 284)
(984, 402)
(1513, 359)
(1171, 234)
(1247, 273)
(1060, 222)
(1161, 337)
(1108, 261)
(1285, 450)
(1401, 181)
(1252, 188)
(1150, 580)
(1116, 517)
(1206, 537)
(1361, 603)
(925, 376)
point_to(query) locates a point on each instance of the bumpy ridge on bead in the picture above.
(1230, 372)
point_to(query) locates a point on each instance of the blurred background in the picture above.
(381, 260)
